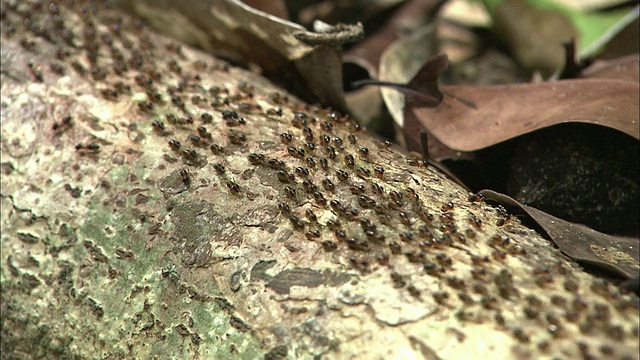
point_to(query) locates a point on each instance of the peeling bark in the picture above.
(118, 243)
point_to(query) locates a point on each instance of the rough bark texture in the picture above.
(243, 242)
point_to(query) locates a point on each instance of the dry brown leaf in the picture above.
(470, 118)
(234, 30)
(474, 117)
(623, 68)
(402, 60)
(399, 63)
(410, 16)
(617, 254)
(363, 59)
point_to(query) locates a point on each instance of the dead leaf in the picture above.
(469, 13)
(274, 7)
(362, 60)
(332, 11)
(572, 64)
(409, 16)
(489, 67)
(616, 254)
(470, 118)
(405, 57)
(234, 30)
(474, 117)
(422, 89)
(623, 68)
(535, 35)
(399, 63)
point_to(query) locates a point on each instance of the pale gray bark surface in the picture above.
(136, 250)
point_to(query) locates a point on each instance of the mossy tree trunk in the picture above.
(159, 203)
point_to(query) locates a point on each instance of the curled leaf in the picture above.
(616, 254)
(234, 30)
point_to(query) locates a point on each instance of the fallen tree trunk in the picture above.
(159, 203)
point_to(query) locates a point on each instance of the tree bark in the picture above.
(243, 240)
